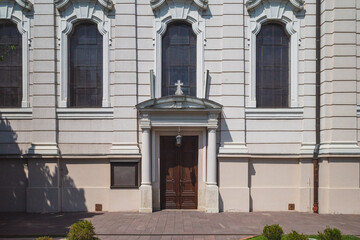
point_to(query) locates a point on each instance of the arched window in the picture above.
(10, 65)
(179, 59)
(272, 67)
(86, 66)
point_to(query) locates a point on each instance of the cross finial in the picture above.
(178, 90)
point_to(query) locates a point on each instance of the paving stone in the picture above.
(173, 224)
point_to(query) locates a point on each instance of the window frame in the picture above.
(113, 163)
(190, 13)
(188, 47)
(261, 14)
(20, 18)
(272, 23)
(72, 14)
(17, 63)
(70, 79)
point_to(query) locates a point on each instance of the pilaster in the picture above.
(44, 80)
(338, 79)
(123, 78)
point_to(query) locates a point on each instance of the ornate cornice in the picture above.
(202, 4)
(62, 4)
(298, 5)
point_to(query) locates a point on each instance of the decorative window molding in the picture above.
(85, 113)
(17, 11)
(71, 12)
(279, 113)
(285, 12)
(22, 113)
(168, 11)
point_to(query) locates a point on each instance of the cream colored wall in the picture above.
(234, 185)
(265, 184)
(77, 185)
(15, 135)
(274, 184)
(43, 186)
(13, 183)
(339, 190)
(275, 136)
(85, 136)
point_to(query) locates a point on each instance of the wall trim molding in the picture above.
(44, 149)
(16, 113)
(85, 113)
(274, 113)
(339, 148)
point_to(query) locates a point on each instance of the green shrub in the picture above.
(273, 232)
(296, 236)
(44, 238)
(330, 234)
(81, 230)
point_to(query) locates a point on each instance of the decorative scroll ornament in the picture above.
(202, 4)
(297, 5)
(25, 5)
(62, 4)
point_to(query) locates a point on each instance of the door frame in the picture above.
(201, 133)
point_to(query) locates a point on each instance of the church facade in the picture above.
(210, 105)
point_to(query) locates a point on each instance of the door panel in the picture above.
(178, 184)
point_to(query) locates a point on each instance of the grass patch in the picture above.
(346, 237)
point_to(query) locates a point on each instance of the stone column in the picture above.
(145, 188)
(212, 190)
(211, 161)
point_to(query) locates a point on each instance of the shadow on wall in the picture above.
(33, 184)
(13, 178)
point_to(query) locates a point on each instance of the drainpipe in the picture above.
(317, 106)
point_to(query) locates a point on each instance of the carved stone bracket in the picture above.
(25, 4)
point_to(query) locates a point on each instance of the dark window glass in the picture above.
(10, 65)
(124, 175)
(272, 67)
(179, 59)
(86, 66)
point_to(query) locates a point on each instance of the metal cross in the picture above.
(178, 90)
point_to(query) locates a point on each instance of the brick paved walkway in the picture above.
(173, 224)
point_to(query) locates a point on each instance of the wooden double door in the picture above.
(178, 173)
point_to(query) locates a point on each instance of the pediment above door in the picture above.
(182, 103)
(173, 111)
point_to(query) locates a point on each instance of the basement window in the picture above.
(125, 174)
